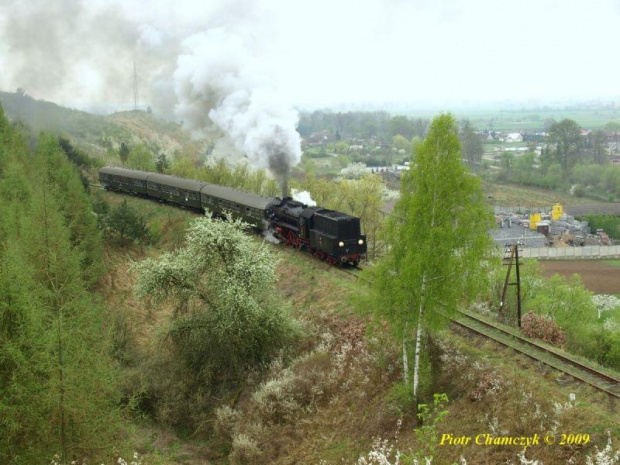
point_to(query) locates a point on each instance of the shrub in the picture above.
(245, 451)
(401, 398)
(124, 222)
(227, 318)
(226, 421)
(275, 400)
(543, 328)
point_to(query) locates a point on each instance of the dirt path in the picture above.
(597, 276)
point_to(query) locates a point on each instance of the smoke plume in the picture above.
(198, 64)
(217, 83)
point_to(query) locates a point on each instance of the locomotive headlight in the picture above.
(340, 244)
(361, 242)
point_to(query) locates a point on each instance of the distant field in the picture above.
(524, 119)
(508, 195)
(598, 276)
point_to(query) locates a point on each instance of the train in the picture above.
(332, 236)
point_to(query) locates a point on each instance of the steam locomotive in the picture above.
(330, 235)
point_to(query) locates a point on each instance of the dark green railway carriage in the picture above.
(185, 192)
(251, 208)
(121, 179)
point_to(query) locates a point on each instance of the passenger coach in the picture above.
(330, 235)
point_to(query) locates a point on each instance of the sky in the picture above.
(323, 53)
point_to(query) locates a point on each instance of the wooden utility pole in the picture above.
(508, 261)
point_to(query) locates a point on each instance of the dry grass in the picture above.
(327, 398)
(512, 195)
(524, 404)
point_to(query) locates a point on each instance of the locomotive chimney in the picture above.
(285, 187)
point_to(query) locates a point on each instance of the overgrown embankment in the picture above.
(335, 390)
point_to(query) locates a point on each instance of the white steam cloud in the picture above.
(217, 83)
(303, 197)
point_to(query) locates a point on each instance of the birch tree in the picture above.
(436, 238)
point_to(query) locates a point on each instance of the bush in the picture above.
(275, 400)
(609, 223)
(124, 222)
(227, 318)
(245, 451)
(401, 398)
(578, 190)
(543, 328)
(226, 422)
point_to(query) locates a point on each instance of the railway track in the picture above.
(354, 271)
(541, 353)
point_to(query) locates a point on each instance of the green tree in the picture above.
(436, 239)
(566, 136)
(420, 126)
(141, 158)
(65, 184)
(507, 161)
(612, 130)
(70, 357)
(400, 125)
(123, 153)
(76, 156)
(162, 163)
(125, 222)
(341, 147)
(597, 146)
(399, 142)
(364, 198)
(59, 388)
(227, 318)
(524, 169)
(472, 145)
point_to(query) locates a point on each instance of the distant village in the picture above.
(494, 142)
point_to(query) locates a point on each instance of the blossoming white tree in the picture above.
(221, 283)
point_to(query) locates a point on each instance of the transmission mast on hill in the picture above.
(135, 87)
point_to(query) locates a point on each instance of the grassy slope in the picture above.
(342, 428)
(97, 132)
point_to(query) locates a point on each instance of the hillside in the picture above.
(99, 133)
(336, 392)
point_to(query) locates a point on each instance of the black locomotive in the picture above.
(330, 235)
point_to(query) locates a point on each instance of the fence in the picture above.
(592, 251)
(520, 209)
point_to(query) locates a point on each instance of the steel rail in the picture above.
(615, 383)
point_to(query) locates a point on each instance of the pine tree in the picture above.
(127, 223)
(64, 182)
(59, 388)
